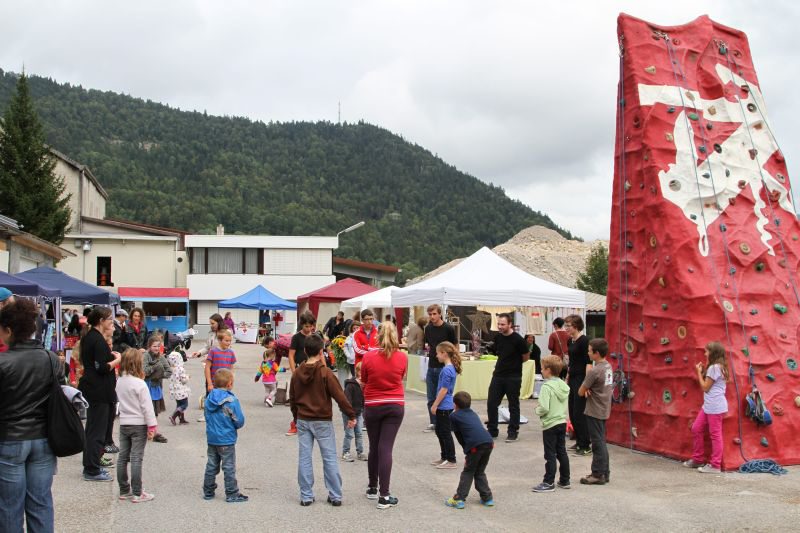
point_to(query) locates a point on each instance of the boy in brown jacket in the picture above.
(313, 386)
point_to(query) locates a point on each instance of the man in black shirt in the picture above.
(334, 327)
(512, 352)
(436, 331)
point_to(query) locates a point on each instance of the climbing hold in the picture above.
(648, 402)
(781, 177)
(797, 401)
(676, 41)
(629, 346)
(653, 241)
(690, 96)
(693, 116)
(727, 173)
(723, 228)
(650, 70)
(723, 49)
(746, 352)
(777, 409)
(615, 306)
(662, 282)
(732, 271)
(760, 267)
(770, 377)
(668, 136)
(764, 442)
(664, 307)
(706, 175)
(728, 306)
(637, 122)
(685, 359)
(751, 107)
(675, 185)
(780, 308)
(791, 363)
(754, 312)
(741, 184)
(702, 148)
(731, 200)
(627, 185)
(795, 237)
(754, 339)
(777, 220)
(667, 396)
(670, 109)
(744, 247)
(753, 153)
(718, 148)
(629, 245)
(634, 429)
(668, 360)
(683, 393)
(641, 326)
(690, 269)
(693, 216)
(782, 263)
(664, 341)
(709, 126)
(681, 332)
(655, 325)
(712, 110)
(782, 335)
(737, 440)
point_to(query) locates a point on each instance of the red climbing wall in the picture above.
(704, 243)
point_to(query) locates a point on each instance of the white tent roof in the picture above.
(379, 299)
(485, 278)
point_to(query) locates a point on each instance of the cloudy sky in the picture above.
(513, 93)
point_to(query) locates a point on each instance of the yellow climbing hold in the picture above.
(650, 70)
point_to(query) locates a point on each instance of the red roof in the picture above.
(339, 291)
(130, 293)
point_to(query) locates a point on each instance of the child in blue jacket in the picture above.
(477, 444)
(224, 417)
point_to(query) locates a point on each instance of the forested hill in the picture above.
(192, 171)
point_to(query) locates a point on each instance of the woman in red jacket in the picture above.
(382, 373)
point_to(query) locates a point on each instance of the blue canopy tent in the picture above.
(258, 298)
(23, 287)
(73, 291)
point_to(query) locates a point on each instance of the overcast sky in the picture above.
(515, 93)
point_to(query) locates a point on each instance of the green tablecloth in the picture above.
(475, 378)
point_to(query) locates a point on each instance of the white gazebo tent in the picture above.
(485, 278)
(380, 299)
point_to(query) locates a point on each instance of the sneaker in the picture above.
(487, 503)
(347, 458)
(106, 462)
(437, 462)
(582, 453)
(183, 422)
(160, 438)
(143, 497)
(592, 480)
(208, 496)
(372, 493)
(292, 430)
(335, 503)
(102, 476)
(126, 496)
(691, 463)
(544, 487)
(573, 447)
(201, 418)
(563, 485)
(384, 502)
(236, 498)
(446, 465)
(511, 438)
(455, 504)
(708, 469)
(306, 503)
(429, 428)
(172, 420)
(111, 448)
(268, 402)
(362, 457)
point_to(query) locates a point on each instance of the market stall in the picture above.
(165, 309)
(324, 303)
(380, 302)
(260, 299)
(46, 296)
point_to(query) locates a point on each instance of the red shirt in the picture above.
(364, 343)
(383, 378)
(557, 343)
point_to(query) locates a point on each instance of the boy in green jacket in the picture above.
(552, 410)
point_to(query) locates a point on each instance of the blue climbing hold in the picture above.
(764, 442)
(732, 271)
(754, 339)
(770, 377)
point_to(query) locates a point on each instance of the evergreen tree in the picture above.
(594, 278)
(29, 191)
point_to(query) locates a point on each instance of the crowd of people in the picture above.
(120, 368)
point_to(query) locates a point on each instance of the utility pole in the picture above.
(340, 112)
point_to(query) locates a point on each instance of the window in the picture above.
(104, 272)
(197, 256)
(251, 261)
(225, 261)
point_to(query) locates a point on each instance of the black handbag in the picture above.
(65, 432)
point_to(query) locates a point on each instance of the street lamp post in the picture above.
(351, 228)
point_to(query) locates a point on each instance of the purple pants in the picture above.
(714, 425)
(383, 423)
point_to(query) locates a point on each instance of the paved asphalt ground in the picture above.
(647, 493)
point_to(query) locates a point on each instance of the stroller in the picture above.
(178, 342)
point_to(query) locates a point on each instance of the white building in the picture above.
(225, 266)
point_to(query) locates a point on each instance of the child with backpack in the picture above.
(712, 378)
(137, 425)
(178, 388)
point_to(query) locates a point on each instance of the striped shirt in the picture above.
(383, 378)
(220, 359)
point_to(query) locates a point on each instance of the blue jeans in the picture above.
(224, 456)
(348, 434)
(26, 477)
(432, 383)
(322, 431)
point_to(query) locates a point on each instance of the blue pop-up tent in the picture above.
(73, 291)
(23, 287)
(258, 298)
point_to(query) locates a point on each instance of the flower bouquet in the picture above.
(337, 345)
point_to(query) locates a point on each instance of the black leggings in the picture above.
(97, 417)
(383, 422)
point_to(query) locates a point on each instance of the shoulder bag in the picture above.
(65, 432)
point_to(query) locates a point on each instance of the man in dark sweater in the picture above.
(436, 331)
(512, 352)
(477, 444)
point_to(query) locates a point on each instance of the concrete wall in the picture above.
(85, 199)
(19, 258)
(134, 263)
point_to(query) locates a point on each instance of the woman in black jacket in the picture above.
(97, 385)
(136, 333)
(27, 463)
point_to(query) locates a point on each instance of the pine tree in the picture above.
(30, 192)
(594, 278)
